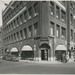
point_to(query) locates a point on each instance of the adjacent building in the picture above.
(1, 42)
(42, 30)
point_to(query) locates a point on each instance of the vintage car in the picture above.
(15, 58)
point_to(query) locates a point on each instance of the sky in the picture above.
(2, 7)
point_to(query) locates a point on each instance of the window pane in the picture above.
(36, 8)
(58, 30)
(35, 29)
(63, 16)
(52, 28)
(57, 12)
(52, 8)
(63, 34)
(30, 30)
(25, 33)
(30, 12)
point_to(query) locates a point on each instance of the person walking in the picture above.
(63, 57)
(67, 58)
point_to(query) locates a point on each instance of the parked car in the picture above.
(8, 58)
(4, 57)
(31, 59)
(15, 58)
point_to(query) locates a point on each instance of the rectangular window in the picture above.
(11, 25)
(57, 12)
(71, 34)
(25, 16)
(51, 8)
(52, 28)
(17, 8)
(30, 12)
(7, 29)
(18, 21)
(21, 35)
(9, 39)
(25, 33)
(63, 2)
(63, 33)
(14, 37)
(35, 28)
(36, 8)
(63, 16)
(30, 31)
(21, 4)
(17, 36)
(71, 4)
(21, 19)
(14, 23)
(71, 19)
(57, 30)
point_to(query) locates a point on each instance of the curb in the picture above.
(45, 62)
(41, 62)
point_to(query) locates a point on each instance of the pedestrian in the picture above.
(67, 58)
(74, 58)
(63, 57)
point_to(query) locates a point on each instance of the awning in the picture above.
(61, 47)
(14, 50)
(26, 48)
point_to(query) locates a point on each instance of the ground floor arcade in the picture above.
(43, 50)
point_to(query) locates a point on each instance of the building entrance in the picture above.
(44, 51)
(44, 54)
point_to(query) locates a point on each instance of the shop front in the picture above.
(14, 51)
(60, 49)
(27, 52)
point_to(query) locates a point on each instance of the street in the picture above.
(8, 67)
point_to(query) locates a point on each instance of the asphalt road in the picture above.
(8, 67)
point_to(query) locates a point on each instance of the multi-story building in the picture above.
(1, 46)
(40, 29)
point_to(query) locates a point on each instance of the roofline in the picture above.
(6, 9)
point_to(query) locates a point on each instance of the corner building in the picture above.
(42, 30)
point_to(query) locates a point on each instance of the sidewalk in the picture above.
(41, 62)
(71, 60)
(46, 62)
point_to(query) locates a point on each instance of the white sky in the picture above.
(2, 7)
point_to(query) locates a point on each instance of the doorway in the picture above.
(44, 54)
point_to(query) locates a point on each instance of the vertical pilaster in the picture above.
(68, 25)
